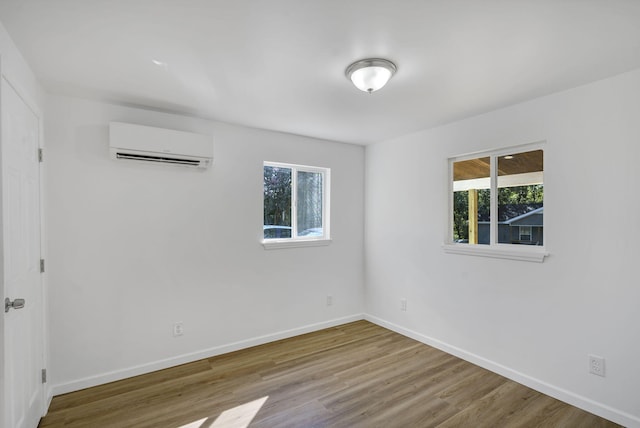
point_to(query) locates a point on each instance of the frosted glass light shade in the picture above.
(369, 75)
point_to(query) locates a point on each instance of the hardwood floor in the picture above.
(354, 375)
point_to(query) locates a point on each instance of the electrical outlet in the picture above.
(178, 329)
(403, 305)
(596, 365)
(329, 300)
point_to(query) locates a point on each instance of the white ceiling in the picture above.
(280, 64)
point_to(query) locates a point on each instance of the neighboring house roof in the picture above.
(524, 216)
(517, 215)
(508, 212)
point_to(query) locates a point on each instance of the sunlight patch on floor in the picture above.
(236, 417)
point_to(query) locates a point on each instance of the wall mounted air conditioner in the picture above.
(159, 145)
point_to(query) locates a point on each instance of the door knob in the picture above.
(16, 304)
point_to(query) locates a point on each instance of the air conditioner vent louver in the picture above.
(159, 159)
(148, 144)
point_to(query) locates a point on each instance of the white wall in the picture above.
(533, 322)
(136, 247)
(16, 70)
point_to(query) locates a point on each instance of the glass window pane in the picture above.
(277, 202)
(472, 201)
(309, 215)
(521, 198)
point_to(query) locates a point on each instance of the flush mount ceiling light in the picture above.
(371, 74)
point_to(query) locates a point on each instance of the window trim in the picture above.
(499, 251)
(297, 241)
(493, 249)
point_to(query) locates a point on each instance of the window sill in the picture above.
(526, 254)
(276, 244)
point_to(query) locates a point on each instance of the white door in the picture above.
(23, 328)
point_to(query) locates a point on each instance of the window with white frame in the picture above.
(295, 204)
(497, 201)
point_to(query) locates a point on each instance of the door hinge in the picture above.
(44, 375)
(40, 155)
(41, 265)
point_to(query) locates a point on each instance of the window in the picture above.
(296, 205)
(497, 203)
(525, 233)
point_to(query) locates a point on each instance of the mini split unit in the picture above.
(159, 145)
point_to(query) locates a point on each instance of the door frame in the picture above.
(2, 296)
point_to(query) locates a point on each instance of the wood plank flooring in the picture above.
(354, 375)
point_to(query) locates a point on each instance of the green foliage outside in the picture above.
(277, 196)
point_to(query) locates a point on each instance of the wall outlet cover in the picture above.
(178, 329)
(596, 365)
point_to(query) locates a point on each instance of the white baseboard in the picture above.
(103, 378)
(569, 397)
